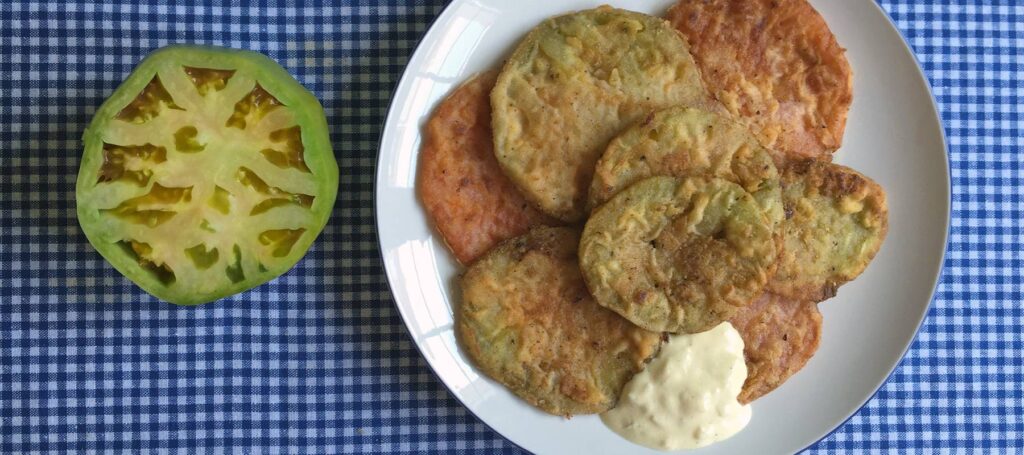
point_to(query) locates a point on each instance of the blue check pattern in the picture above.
(318, 361)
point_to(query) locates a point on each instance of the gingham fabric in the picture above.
(318, 361)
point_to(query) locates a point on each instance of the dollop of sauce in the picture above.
(686, 397)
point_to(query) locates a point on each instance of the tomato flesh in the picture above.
(206, 173)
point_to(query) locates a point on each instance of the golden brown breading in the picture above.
(779, 336)
(688, 141)
(836, 220)
(528, 322)
(571, 85)
(678, 254)
(776, 65)
(467, 196)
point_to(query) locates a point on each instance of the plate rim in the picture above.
(376, 225)
(939, 274)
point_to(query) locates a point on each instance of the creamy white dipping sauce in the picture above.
(686, 397)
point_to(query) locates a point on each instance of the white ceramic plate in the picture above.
(893, 135)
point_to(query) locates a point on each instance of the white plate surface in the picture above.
(893, 135)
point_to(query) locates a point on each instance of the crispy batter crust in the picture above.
(679, 255)
(571, 85)
(528, 322)
(776, 65)
(836, 221)
(779, 336)
(688, 141)
(466, 195)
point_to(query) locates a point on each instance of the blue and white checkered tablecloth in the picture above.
(88, 363)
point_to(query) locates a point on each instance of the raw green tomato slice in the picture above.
(208, 172)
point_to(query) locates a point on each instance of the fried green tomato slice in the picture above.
(779, 336)
(527, 321)
(470, 201)
(571, 85)
(207, 172)
(836, 221)
(678, 254)
(776, 66)
(687, 141)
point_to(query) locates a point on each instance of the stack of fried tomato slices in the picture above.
(624, 177)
